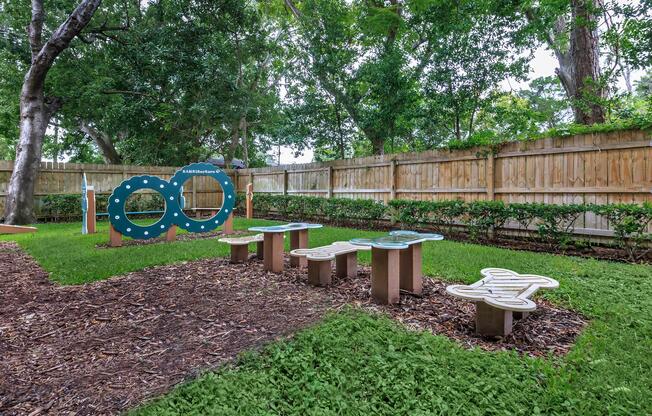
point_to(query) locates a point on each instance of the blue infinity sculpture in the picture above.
(172, 194)
(397, 240)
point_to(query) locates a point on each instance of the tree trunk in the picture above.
(377, 141)
(103, 142)
(36, 109)
(233, 146)
(579, 64)
(245, 145)
(35, 115)
(585, 55)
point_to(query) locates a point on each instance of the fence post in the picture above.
(490, 176)
(330, 182)
(285, 181)
(250, 200)
(90, 210)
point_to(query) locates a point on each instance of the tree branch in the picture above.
(35, 28)
(61, 38)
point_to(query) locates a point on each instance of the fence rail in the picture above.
(614, 167)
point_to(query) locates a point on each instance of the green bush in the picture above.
(442, 215)
(483, 217)
(62, 207)
(336, 210)
(630, 223)
(57, 207)
(554, 224)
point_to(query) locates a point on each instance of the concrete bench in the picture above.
(499, 295)
(319, 261)
(240, 247)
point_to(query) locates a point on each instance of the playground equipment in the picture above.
(320, 258)
(396, 263)
(498, 296)
(90, 214)
(273, 244)
(173, 214)
(250, 201)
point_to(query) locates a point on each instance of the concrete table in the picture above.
(396, 263)
(273, 244)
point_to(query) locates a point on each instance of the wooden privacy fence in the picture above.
(600, 168)
(66, 178)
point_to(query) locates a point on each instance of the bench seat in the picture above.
(498, 295)
(240, 247)
(320, 258)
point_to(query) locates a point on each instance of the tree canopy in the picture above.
(171, 82)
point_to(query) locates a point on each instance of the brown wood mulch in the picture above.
(105, 347)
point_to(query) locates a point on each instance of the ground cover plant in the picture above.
(354, 363)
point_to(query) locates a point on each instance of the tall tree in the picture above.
(36, 108)
(570, 30)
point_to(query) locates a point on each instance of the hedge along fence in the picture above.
(68, 207)
(552, 224)
(591, 168)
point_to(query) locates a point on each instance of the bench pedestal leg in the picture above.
(520, 315)
(490, 321)
(259, 250)
(171, 233)
(273, 252)
(410, 269)
(384, 275)
(239, 253)
(298, 239)
(115, 237)
(346, 265)
(319, 272)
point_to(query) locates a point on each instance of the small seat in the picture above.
(319, 261)
(498, 295)
(240, 247)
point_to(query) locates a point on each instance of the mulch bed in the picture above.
(105, 347)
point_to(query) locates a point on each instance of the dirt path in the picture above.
(104, 347)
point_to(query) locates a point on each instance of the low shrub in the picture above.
(553, 224)
(630, 223)
(68, 206)
(484, 217)
(336, 210)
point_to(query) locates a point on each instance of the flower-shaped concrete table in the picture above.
(396, 263)
(273, 244)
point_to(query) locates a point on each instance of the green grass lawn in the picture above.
(353, 363)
